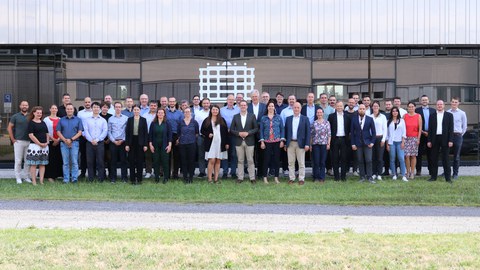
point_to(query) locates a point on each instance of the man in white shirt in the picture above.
(459, 129)
(149, 116)
(84, 114)
(108, 100)
(196, 104)
(397, 102)
(286, 112)
(199, 117)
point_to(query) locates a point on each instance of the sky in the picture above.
(239, 22)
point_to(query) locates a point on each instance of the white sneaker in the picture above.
(394, 177)
(404, 179)
(379, 177)
(148, 175)
(374, 176)
(19, 181)
(285, 173)
(355, 173)
(27, 180)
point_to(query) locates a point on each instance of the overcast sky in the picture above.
(240, 21)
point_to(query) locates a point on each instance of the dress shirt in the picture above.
(396, 135)
(402, 111)
(228, 113)
(196, 109)
(116, 127)
(200, 116)
(127, 113)
(255, 109)
(311, 113)
(361, 120)
(459, 121)
(149, 117)
(288, 111)
(426, 115)
(95, 128)
(327, 111)
(174, 116)
(355, 108)
(144, 110)
(439, 122)
(83, 114)
(243, 118)
(295, 123)
(111, 110)
(381, 126)
(69, 126)
(340, 125)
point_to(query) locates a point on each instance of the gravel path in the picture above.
(278, 218)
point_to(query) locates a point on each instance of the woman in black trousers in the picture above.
(187, 138)
(136, 144)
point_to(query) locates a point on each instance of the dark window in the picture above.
(353, 54)
(341, 54)
(27, 51)
(430, 52)
(378, 53)
(442, 93)
(274, 52)
(248, 52)
(299, 53)
(261, 52)
(456, 91)
(328, 54)
(287, 52)
(93, 53)
(96, 90)
(106, 53)
(403, 52)
(80, 53)
(235, 53)
(469, 94)
(454, 52)
(417, 52)
(82, 90)
(119, 53)
(390, 53)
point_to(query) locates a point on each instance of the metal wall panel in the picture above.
(239, 22)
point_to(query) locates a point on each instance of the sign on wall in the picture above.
(217, 82)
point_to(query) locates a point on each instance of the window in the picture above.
(261, 52)
(442, 93)
(274, 52)
(353, 54)
(456, 91)
(336, 90)
(119, 53)
(469, 94)
(341, 54)
(80, 53)
(93, 53)
(287, 52)
(299, 53)
(106, 53)
(249, 52)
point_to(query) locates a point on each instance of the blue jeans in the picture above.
(70, 156)
(319, 156)
(396, 150)
(232, 157)
(457, 148)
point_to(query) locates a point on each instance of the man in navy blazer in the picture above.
(363, 138)
(297, 134)
(258, 109)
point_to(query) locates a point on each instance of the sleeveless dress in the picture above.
(215, 148)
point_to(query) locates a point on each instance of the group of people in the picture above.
(256, 139)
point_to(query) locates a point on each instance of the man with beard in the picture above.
(425, 111)
(61, 109)
(84, 114)
(18, 133)
(174, 116)
(363, 138)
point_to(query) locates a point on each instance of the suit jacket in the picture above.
(368, 131)
(447, 129)
(303, 131)
(251, 126)
(261, 110)
(332, 118)
(207, 129)
(142, 132)
(419, 110)
(304, 111)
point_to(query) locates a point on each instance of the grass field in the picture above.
(144, 249)
(464, 192)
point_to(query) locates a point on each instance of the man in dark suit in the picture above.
(340, 128)
(425, 111)
(440, 136)
(244, 127)
(297, 133)
(258, 109)
(363, 138)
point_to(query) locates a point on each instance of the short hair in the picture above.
(332, 96)
(68, 104)
(254, 91)
(153, 101)
(103, 103)
(388, 100)
(424, 96)
(397, 98)
(194, 96)
(366, 96)
(323, 94)
(66, 95)
(129, 98)
(455, 98)
(355, 94)
(94, 104)
(117, 102)
(243, 100)
(279, 94)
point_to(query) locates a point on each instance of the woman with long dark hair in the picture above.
(54, 169)
(272, 139)
(379, 146)
(396, 142)
(160, 143)
(187, 138)
(321, 136)
(37, 153)
(215, 131)
(136, 140)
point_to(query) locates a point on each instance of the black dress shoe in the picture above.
(431, 180)
(449, 181)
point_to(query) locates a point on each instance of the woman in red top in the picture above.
(54, 169)
(413, 123)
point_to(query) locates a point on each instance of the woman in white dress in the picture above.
(215, 132)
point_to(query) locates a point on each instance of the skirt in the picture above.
(411, 147)
(37, 155)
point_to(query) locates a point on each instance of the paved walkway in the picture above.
(277, 218)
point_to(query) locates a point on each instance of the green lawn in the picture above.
(464, 192)
(157, 249)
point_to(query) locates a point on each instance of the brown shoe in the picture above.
(253, 181)
(301, 183)
(290, 182)
(239, 181)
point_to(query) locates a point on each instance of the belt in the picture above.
(293, 140)
(340, 136)
(457, 134)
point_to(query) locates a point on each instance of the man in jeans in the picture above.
(69, 130)
(17, 130)
(459, 128)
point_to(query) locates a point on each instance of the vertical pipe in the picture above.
(38, 76)
(370, 90)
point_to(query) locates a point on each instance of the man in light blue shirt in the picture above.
(227, 113)
(144, 108)
(288, 111)
(95, 131)
(327, 110)
(116, 133)
(128, 112)
(310, 109)
(69, 130)
(174, 116)
(459, 129)
(149, 116)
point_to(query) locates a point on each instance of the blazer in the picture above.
(207, 129)
(303, 131)
(304, 111)
(332, 118)
(167, 136)
(447, 129)
(142, 132)
(368, 132)
(419, 110)
(251, 126)
(261, 110)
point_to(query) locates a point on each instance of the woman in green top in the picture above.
(160, 142)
